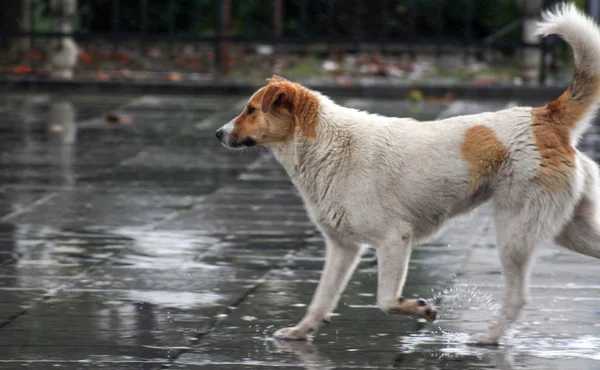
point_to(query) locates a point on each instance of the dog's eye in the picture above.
(251, 110)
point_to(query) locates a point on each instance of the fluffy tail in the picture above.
(577, 106)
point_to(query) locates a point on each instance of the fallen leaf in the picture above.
(174, 77)
(415, 95)
(111, 117)
(125, 73)
(16, 206)
(86, 57)
(23, 69)
(126, 119)
(449, 96)
(35, 54)
(123, 57)
(101, 76)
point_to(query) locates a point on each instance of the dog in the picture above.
(374, 181)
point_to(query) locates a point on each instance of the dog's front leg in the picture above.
(340, 262)
(392, 261)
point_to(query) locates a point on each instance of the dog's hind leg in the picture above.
(340, 261)
(392, 261)
(521, 225)
(516, 245)
(582, 233)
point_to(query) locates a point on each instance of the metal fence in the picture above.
(315, 22)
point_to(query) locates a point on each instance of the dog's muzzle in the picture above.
(230, 142)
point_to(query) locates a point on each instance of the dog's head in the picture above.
(274, 114)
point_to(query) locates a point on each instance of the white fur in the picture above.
(369, 180)
(389, 182)
(577, 29)
(582, 34)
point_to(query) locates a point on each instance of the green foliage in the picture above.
(407, 20)
(42, 19)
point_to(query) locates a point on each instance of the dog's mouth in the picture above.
(234, 144)
(228, 140)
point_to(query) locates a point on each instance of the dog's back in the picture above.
(390, 182)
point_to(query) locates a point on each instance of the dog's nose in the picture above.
(219, 133)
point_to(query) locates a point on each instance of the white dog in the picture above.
(369, 180)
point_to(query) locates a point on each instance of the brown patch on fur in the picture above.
(565, 111)
(298, 100)
(246, 124)
(551, 125)
(276, 112)
(484, 152)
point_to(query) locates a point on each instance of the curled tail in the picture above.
(576, 107)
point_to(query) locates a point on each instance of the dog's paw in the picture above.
(293, 333)
(413, 307)
(483, 339)
(426, 311)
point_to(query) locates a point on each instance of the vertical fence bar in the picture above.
(244, 29)
(31, 24)
(115, 15)
(385, 30)
(171, 25)
(468, 28)
(356, 24)
(304, 19)
(439, 28)
(144, 16)
(544, 50)
(218, 38)
(171, 16)
(413, 28)
(143, 22)
(278, 19)
(90, 15)
(330, 31)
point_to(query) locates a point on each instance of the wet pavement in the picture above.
(146, 245)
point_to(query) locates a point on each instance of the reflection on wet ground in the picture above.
(142, 244)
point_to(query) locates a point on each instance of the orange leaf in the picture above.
(86, 57)
(433, 100)
(23, 69)
(101, 76)
(449, 96)
(126, 119)
(121, 56)
(125, 73)
(111, 117)
(35, 54)
(175, 77)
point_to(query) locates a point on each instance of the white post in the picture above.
(531, 57)
(64, 51)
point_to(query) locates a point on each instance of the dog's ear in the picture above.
(275, 79)
(302, 104)
(277, 95)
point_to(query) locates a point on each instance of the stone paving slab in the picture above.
(149, 246)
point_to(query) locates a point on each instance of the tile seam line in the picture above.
(108, 169)
(29, 207)
(215, 323)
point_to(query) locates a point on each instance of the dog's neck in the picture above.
(313, 163)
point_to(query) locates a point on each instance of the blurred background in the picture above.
(342, 42)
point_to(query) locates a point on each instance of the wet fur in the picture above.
(369, 180)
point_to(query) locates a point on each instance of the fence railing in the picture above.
(398, 26)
